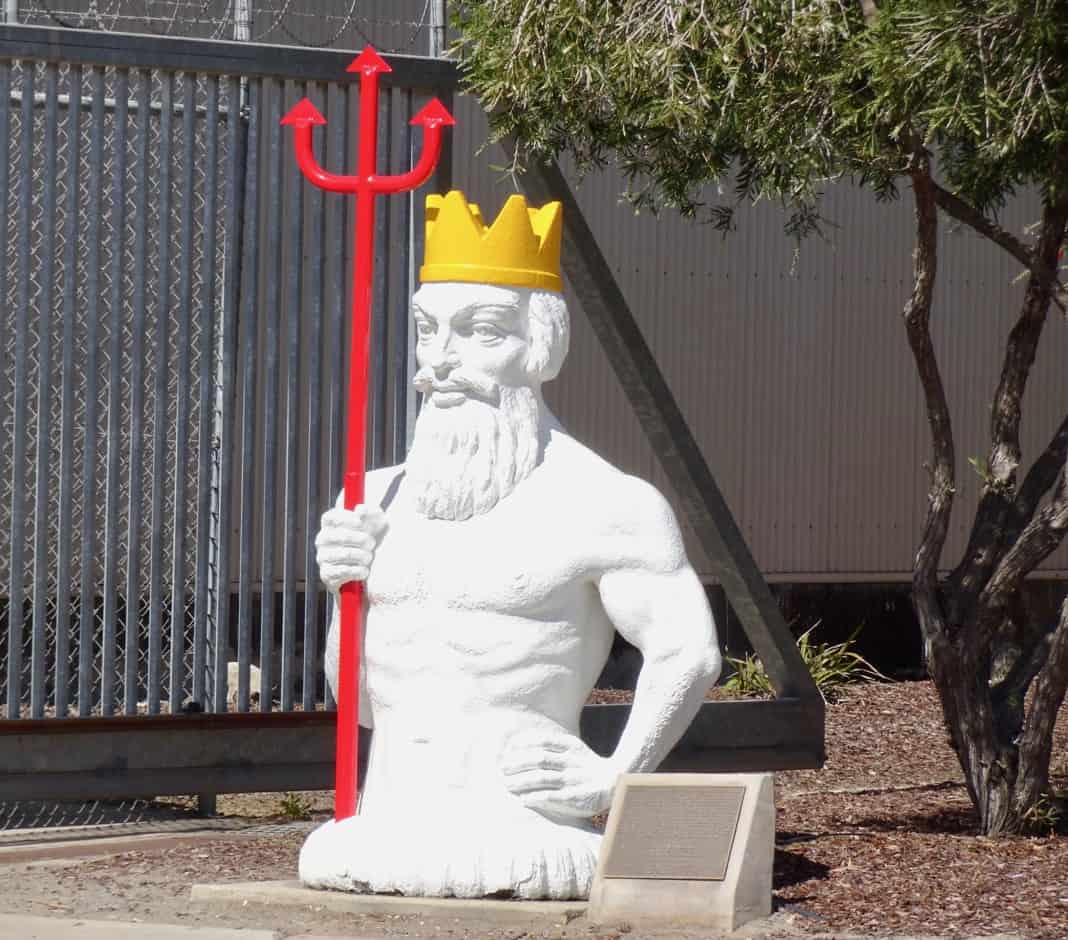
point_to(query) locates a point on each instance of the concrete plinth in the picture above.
(687, 849)
(294, 894)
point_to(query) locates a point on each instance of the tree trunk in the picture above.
(1003, 748)
(917, 318)
(969, 715)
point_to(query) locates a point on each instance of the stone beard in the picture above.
(466, 457)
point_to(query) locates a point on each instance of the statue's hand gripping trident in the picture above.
(366, 184)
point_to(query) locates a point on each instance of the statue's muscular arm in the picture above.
(654, 599)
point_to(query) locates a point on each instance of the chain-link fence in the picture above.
(390, 25)
(110, 200)
(173, 307)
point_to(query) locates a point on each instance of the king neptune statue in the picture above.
(500, 558)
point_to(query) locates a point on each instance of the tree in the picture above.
(780, 97)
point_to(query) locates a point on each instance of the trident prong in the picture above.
(303, 118)
(432, 118)
(366, 185)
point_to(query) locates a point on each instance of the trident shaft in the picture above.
(366, 184)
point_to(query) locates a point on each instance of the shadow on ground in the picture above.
(793, 868)
(952, 820)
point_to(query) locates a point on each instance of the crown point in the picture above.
(368, 62)
(433, 115)
(303, 113)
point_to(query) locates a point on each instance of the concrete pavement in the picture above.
(19, 927)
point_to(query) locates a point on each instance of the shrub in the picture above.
(832, 665)
(294, 806)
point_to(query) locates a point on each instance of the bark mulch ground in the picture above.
(882, 840)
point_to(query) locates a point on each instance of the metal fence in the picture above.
(391, 25)
(172, 326)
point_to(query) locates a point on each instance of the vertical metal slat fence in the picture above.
(173, 318)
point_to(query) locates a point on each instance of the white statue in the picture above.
(500, 559)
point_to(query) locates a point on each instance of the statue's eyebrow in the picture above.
(504, 306)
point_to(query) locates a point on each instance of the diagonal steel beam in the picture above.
(673, 443)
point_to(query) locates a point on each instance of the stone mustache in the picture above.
(499, 561)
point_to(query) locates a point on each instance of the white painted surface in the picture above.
(494, 592)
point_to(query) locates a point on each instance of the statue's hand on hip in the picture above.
(557, 773)
(346, 543)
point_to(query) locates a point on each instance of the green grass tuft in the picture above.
(831, 665)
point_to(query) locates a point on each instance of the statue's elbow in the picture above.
(703, 663)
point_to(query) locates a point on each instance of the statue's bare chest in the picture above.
(483, 564)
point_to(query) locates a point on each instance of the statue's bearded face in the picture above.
(480, 372)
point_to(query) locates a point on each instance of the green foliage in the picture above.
(832, 666)
(1045, 817)
(749, 677)
(294, 806)
(770, 99)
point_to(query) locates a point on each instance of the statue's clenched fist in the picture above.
(346, 543)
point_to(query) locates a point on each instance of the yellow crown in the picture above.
(520, 249)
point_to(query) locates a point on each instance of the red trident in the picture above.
(366, 185)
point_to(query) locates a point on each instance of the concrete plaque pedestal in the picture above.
(687, 848)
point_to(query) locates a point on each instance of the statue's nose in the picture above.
(443, 359)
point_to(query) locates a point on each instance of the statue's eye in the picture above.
(424, 327)
(487, 331)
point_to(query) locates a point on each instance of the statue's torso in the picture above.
(497, 605)
(482, 629)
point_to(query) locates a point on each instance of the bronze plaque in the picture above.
(681, 832)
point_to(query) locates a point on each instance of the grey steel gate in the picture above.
(172, 317)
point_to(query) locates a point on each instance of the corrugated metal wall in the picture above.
(795, 374)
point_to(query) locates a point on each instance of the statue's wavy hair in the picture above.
(548, 334)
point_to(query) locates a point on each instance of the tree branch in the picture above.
(1038, 540)
(953, 205)
(1037, 740)
(1023, 340)
(1033, 655)
(988, 537)
(967, 214)
(1039, 479)
(917, 317)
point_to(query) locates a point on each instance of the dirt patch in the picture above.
(882, 840)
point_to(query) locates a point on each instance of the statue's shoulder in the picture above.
(603, 495)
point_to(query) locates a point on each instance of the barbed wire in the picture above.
(392, 27)
(341, 29)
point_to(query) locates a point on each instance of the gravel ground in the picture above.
(882, 840)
